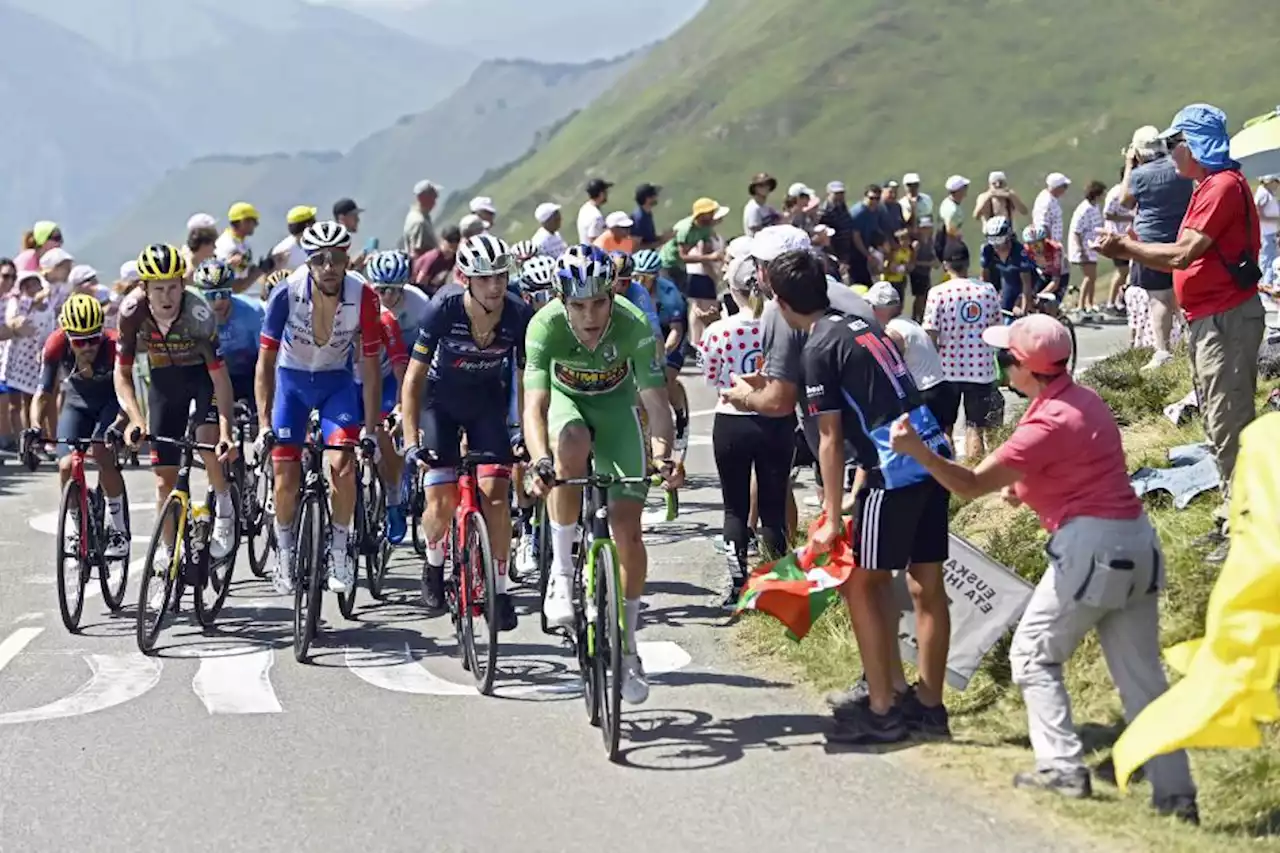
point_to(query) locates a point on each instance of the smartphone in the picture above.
(371, 245)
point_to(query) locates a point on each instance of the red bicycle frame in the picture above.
(467, 504)
(77, 474)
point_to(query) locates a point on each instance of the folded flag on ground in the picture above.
(798, 588)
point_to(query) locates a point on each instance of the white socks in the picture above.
(562, 539)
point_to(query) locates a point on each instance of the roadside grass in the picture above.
(1239, 789)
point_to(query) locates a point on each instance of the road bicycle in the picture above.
(599, 615)
(255, 483)
(415, 505)
(372, 548)
(190, 562)
(82, 533)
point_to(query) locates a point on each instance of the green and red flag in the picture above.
(798, 588)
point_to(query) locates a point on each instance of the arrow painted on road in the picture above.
(116, 679)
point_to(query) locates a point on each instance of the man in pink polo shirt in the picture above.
(1065, 461)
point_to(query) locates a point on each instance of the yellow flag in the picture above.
(1230, 674)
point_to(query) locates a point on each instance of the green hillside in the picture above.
(859, 90)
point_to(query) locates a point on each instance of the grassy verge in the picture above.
(1239, 789)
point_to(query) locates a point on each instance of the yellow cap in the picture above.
(705, 205)
(242, 210)
(301, 213)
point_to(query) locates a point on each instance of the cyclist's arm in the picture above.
(370, 351)
(264, 378)
(674, 336)
(224, 393)
(651, 379)
(537, 390)
(130, 318)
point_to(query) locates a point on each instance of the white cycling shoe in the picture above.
(342, 576)
(282, 577)
(223, 539)
(526, 561)
(635, 684)
(558, 605)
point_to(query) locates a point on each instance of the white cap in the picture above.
(129, 271)
(1147, 139)
(483, 204)
(471, 225)
(997, 177)
(53, 257)
(1054, 180)
(80, 274)
(741, 272)
(618, 219)
(956, 183)
(425, 186)
(824, 229)
(201, 220)
(545, 211)
(835, 187)
(738, 247)
(770, 242)
(798, 189)
(882, 294)
(911, 178)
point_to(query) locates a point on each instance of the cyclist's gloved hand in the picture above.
(517, 442)
(266, 441)
(368, 445)
(27, 448)
(113, 436)
(412, 456)
(545, 470)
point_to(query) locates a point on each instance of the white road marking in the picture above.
(47, 522)
(116, 679)
(661, 656)
(702, 414)
(398, 670)
(33, 616)
(237, 683)
(15, 643)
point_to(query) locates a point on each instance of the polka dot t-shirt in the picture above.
(731, 347)
(959, 310)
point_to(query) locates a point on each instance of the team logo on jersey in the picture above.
(591, 381)
(200, 312)
(609, 352)
(753, 361)
(970, 311)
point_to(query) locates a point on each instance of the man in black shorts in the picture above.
(855, 386)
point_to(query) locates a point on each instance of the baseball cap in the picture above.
(129, 271)
(471, 225)
(957, 254)
(425, 186)
(997, 177)
(882, 294)
(890, 184)
(738, 247)
(345, 206)
(618, 219)
(200, 221)
(53, 257)
(835, 187)
(798, 189)
(545, 211)
(956, 183)
(80, 274)
(301, 213)
(242, 210)
(1054, 180)
(770, 242)
(910, 178)
(595, 186)
(1039, 343)
(483, 204)
(741, 274)
(822, 228)
(42, 231)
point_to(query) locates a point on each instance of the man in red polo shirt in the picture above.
(1215, 279)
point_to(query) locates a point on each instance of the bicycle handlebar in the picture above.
(182, 442)
(600, 480)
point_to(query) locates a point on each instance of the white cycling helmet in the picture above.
(998, 230)
(523, 251)
(538, 273)
(484, 255)
(1034, 234)
(323, 236)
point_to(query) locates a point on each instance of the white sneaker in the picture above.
(160, 562)
(117, 544)
(635, 684)
(282, 577)
(1159, 359)
(526, 560)
(342, 576)
(224, 537)
(558, 605)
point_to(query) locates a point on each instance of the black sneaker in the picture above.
(507, 620)
(863, 726)
(1182, 807)
(433, 587)
(846, 700)
(1072, 784)
(925, 720)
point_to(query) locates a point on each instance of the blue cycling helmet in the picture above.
(213, 274)
(387, 268)
(648, 262)
(584, 272)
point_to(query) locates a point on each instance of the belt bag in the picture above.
(1244, 270)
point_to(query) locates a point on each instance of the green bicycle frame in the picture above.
(589, 582)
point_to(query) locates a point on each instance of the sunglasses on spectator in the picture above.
(82, 341)
(218, 294)
(1006, 359)
(1174, 141)
(331, 258)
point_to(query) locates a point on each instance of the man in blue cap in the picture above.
(1215, 278)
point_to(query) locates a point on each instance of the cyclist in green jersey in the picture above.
(587, 353)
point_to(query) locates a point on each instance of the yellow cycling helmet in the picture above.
(161, 261)
(81, 315)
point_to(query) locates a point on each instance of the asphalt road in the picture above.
(222, 742)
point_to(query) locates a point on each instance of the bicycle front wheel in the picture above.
(417, 502)
(212, 591)
(308, 576)
(607, 657)
(1075, 350)
(357, 537)
(377, 551)
(156, 588)
(71, 561)
(258, 520)
(113, 574)
(478, 606)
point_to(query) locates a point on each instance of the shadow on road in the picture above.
(683, 740)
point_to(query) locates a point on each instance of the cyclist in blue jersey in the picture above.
(673, 322)
(1006, 265)
(239, 326)
(624, 285)
(856, 385)
(465, 376)
(403, 310)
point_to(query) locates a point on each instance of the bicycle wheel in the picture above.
(155, 591)
(308, 576)
(584, 584)
(377, 551)
(1071, 330)
(479, 602)
(357, 538)
(608, 645)
(71, 562)
(211, 594)
(542, 556)
(258, 519)
(113, 573)
(417, 504)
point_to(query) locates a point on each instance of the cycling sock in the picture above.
(562, 538)
(435, 553)
(284, 536)
(632, 606)
(222, 504)
(682, 422)
(500, 570)
(115, 507)
(338, 535)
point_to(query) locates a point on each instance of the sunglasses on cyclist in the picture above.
(82, 341)
(331, 258)
(541, 297)
(218, 294)
(645, 277)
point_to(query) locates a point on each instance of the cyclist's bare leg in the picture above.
(391, 466)
(624, 526)
(342, 476)
(208, 434)
(166, 479)
(573, 446)
(108, 475)
(442, 501)
(496, 507)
